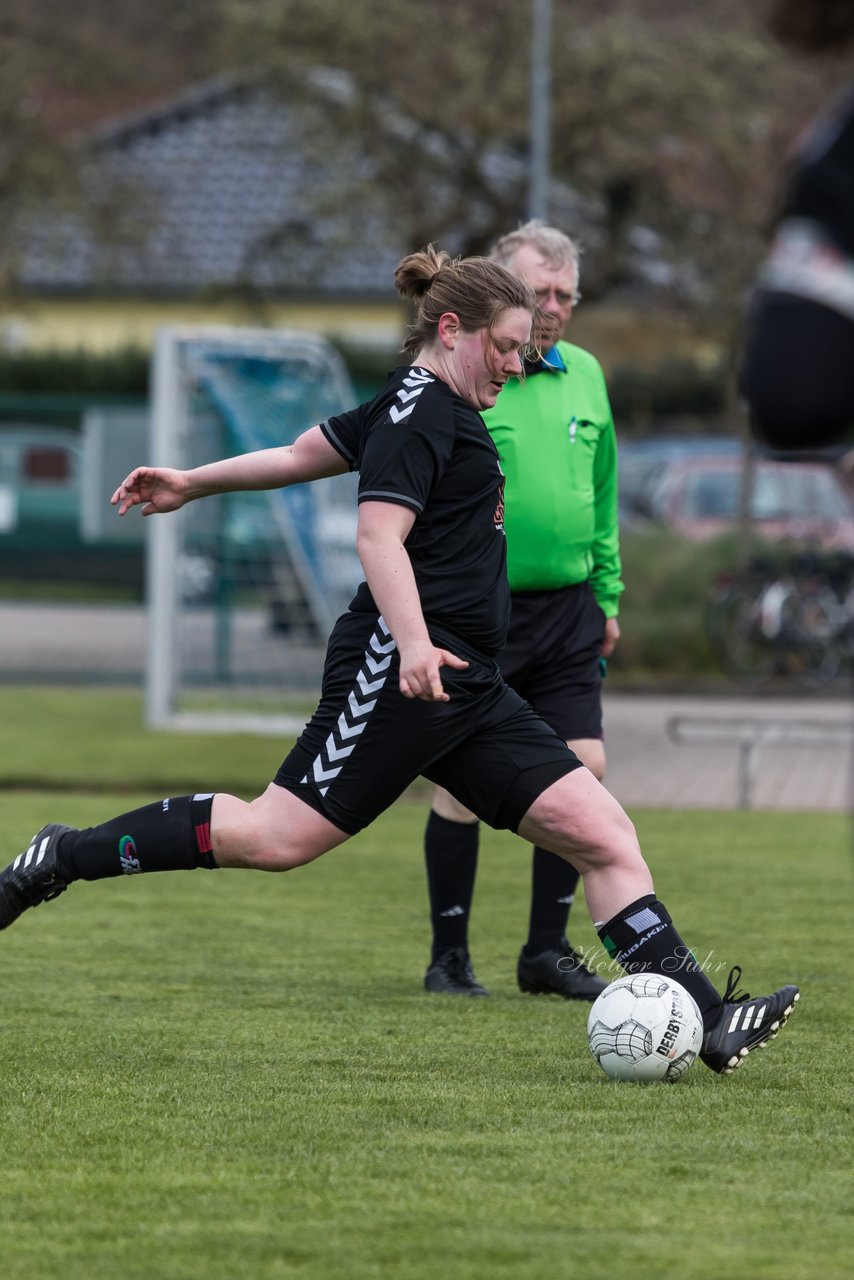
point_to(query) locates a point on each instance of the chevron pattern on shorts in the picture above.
(361, 701)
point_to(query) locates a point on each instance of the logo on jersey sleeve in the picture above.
(413, 384)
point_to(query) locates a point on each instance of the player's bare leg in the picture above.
(578, 819)
(275, 832)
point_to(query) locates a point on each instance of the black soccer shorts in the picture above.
(366, 743)
(552, 657)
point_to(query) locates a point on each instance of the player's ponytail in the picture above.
(416, 273)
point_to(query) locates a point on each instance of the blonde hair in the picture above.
(478, 290)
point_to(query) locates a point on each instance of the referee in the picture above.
(555, 437)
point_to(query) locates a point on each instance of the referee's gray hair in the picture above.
(557, 249)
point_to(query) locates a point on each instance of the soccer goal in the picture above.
(242, 589)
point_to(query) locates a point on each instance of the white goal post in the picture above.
(242, 589)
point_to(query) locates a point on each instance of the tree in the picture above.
(669, 120)
(59, 74)
(32, 163)
(662, 118)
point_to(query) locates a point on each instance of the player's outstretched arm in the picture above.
(162, 489)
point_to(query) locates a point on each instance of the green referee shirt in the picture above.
(555, 437)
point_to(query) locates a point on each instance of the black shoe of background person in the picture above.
(33, 876)
(744, 1025)
(559, 972)
(450, 974)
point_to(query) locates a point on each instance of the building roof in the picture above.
(223, 188)
(228, 187)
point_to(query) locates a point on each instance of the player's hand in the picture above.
(160, 489)
(419, 673)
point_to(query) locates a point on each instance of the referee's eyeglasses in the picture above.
(561, 297)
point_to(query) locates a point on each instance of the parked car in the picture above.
(642, 463)
(804, 502)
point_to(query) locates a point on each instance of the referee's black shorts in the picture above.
(366, 743)
(552, 654)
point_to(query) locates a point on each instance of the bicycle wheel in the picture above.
(810, 636)
(735, 633)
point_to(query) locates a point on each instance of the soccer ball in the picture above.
(645, 1027)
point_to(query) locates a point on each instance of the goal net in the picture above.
(242, 589)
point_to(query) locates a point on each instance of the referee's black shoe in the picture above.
(450, 974)
(744, 1024)
(34, 876)
(560, 972)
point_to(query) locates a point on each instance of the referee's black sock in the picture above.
(170, 835)
(553, 884)
(642, 939)
(450, 851)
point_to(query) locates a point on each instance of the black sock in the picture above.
(450, 851)
(642, 939)
(553, 884)
(170, 835)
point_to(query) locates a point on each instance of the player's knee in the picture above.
(271, 847)
(595, 834)
(275, 852)
(279, 831)
(612, 842)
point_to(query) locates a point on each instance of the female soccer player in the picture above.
(410, 684)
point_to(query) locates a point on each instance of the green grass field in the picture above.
(223, 1075)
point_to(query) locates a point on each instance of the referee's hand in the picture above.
(419, 673)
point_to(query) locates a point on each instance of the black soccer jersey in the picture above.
(420, 445)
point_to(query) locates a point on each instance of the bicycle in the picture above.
(792, 622)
